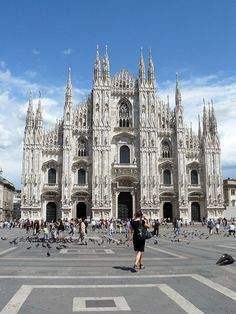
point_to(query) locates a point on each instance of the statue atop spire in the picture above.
(106, 66)
(97, 67)
(151, 78)
(141, 67)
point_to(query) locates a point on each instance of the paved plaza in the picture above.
(181, 275)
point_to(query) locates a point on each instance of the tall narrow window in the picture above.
(166, 176)
(194, 177)
(52, 176)
(166, 150)
(82, 149)
(232, 192)
(81, 177)
(124, 155)
(124, 115)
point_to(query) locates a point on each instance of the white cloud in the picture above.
(14, 93)
(36, 52)
(67, 51)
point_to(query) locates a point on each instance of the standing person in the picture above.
(82, 231)
(72, 227)
(138, 243)
(217, 226)
(232, 229)
(156, 227)
(111, 228)
(210, 226)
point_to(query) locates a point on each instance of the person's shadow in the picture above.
(124, 268)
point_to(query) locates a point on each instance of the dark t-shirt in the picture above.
(135, 224)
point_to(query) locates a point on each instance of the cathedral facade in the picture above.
(121, 150)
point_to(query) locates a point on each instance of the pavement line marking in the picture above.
(114, 286)
(8, 250)
(94, 277)
(187, 306)
(229, 247)
(79, 304)
(166, 252)
(14, 305)
(216, 286)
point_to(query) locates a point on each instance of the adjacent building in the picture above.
(122, 149)
(230, 192)
(6, 199)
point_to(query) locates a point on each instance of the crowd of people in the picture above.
(59, 229)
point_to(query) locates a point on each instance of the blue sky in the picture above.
(40, 39)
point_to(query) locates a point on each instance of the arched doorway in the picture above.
(168, 211)
(125, 205)
(81, 211)
(51, 212)
(195, 212)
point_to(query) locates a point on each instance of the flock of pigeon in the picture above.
(185, 237)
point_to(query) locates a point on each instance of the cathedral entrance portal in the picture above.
(81, 210)
(195, 212)
(168, 211)
(125, 205)
(51, 212)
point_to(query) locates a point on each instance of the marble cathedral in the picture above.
(121, 150)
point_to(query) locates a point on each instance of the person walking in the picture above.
(156, 226)
(139, 244)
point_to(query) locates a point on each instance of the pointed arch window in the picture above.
(124, 155)
(52, 176)
(166, 151)
(194, 177)
(124, 115)
(82, 148)
(81, 177)
(166, 177)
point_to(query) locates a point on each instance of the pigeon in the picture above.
(43, 245)
(3, 238)
(28, 248)
(37, 245)
(155, 242)
(48, 254)
(49, 246)
(58, 248)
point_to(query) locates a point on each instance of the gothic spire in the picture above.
(199, 127)
(97, 67)
(68, 96)
(177, 93)
(213, 119)
(30, 113)
(106, 66)
(38, 117)
(205, 119)
(141, 67)
(151, 78)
